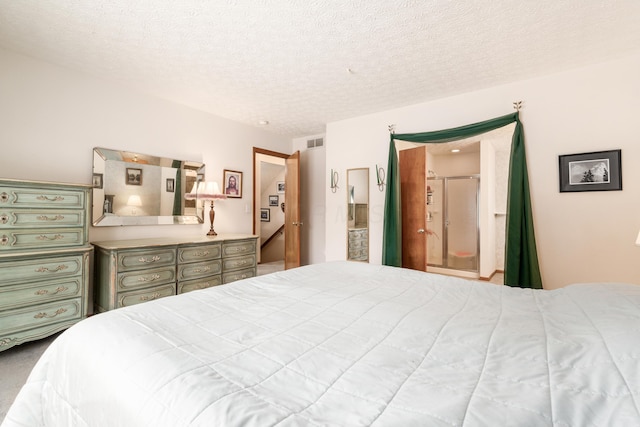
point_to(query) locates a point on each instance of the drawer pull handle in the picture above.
(4, 241)
(45, 237)
(6, 341)
(51, 199)
(205, 253)
(148, 260)
(4, 197)
(200, 270)
(4, 218)
(46, 218)
(45, 292)
(149, 279)
(47, 270)
(155, 295)
(49, 316)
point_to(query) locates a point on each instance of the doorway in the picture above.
(276, 207)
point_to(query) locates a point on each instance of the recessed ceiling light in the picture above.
(263, 122)
(455, 150)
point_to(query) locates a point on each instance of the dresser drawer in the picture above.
(238, 275)
(136, 297)
(145, 258)
(145, 278)
(199, 253)
(238, 248)
(16, 218)
(44, 314)
(41, 197)
(39, 269)
(40, 239)
(38, 293)
(236, 263)
(193, 285)
(199, 269)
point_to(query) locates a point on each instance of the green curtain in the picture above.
(521, 258)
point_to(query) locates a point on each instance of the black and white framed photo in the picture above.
(273, 200)
(134, 176)
(97, 180)
(171, 185)
(595, 171)
(265, 214)
(280, 186)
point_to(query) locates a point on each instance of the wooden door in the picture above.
(413, 188)
(292, 222)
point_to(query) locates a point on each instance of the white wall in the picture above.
(581, 237)
(53, 117)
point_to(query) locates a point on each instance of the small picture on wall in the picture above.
(232, 183)
(273, 200)
(280, 186)
(265, 215)
(171, 185)
(134, 176)
(97, 180)
(596, 171)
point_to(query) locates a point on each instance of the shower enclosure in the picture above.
(453, 238)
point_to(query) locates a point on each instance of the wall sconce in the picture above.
(207, 191)
(334, 181)
(134, 201)
(380, 177)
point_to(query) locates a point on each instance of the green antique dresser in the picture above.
(129, 272)
(45, 259)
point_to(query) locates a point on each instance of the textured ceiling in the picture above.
(302, 63)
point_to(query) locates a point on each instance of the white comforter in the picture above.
(348, 344)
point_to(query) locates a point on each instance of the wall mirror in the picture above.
(358, 214)
(138, 189)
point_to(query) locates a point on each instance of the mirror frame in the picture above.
(352, 212)
(191, 172)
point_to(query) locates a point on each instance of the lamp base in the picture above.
(212, 233)
(212, 215)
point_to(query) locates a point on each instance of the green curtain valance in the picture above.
(521, 258)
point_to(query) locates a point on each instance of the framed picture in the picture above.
(232, 181)
(280, 186)
(265, 214)
(595, 171)
(171, 185)
(134, 176)
(97, 180)
(273, 200)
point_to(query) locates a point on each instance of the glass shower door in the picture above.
(462, 240)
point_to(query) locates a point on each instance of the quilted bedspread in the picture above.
(348, 344)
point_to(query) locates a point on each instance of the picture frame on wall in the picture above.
(273, 200)
(280, 187)
(593, 171)
(134, 176)
(232, 183)
(171, 185)
(265, 214)
(97, 180)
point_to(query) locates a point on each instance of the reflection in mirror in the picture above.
(138, 189)
(358, 214)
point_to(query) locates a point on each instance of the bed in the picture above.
(348, 344)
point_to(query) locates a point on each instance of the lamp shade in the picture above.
(134, 200)
(211, 191)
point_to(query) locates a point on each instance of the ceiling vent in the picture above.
(312, 143)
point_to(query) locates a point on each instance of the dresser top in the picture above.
(168, 241)
(31, 183)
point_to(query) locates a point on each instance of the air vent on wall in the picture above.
(318, 142)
